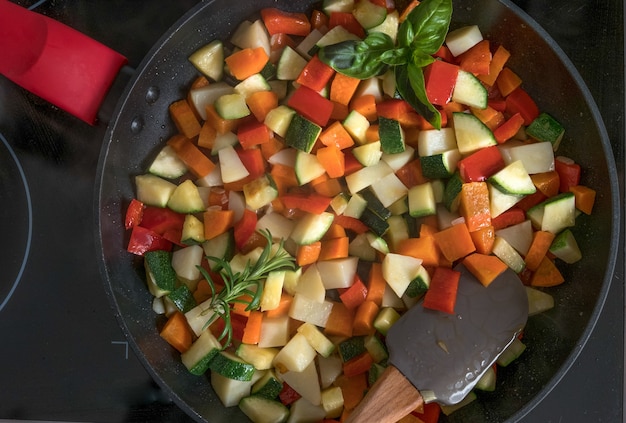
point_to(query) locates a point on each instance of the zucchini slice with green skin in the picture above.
(369, 14)
(269, 386)
(209, 60)
(160, 274)
(229, 365)
(289, 65)
(391, 136)
(167, 164)
(469, 90)
(186, 198)
(513, 179)
(199, 356)
(441, 165)
(471, 134)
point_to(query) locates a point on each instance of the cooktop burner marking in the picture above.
(36, 5)
(30, 222)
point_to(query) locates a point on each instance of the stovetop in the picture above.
(64, 356)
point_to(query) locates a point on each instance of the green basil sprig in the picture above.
(420, 36)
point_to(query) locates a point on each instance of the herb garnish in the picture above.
(419, 37)
(244, 287)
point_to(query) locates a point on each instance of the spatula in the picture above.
(435, 356)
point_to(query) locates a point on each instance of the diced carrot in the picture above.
(477, 60)
(585, 198)
(199, 82)
(538, 249)
(335, 134)
(499, 59)
(333, 160)
(486, 268)
(342, 88)
(547, 182)
(508, 81)
(491, 117)
(474, 205)
(283, 306)
(328, 187)
(206, 136)
(220, 124)
(428, 226)
(372, 133)
(252, 330)
(353, 389)
(455, 242)
(247, 62)
(239, 307)
(286, 172)
(355, 295)
(365, 105)
(335, 231)
(376, 284)
(197, 162)
(364, 318)
(412, 5)
(278, 21)
(177, 332)
(441, 294)
(547, 274)
(308, 253)
(483, 239)
(273, 146)
(357, 365)
(184, 118)
(202, 292)
(340, 111)
(261, 102)
(217, 221)
(334, 248)
(423, 248)
(340, 321)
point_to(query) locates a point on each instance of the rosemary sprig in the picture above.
(244, 287)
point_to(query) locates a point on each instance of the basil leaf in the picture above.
(411, 86)
(430, 22)
(405, 33)
(397, 56)
(359, 59)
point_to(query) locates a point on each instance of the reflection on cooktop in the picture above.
(16, 218)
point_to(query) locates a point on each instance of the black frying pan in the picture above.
(140, 125)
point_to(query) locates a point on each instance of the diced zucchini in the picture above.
(376, 223)
(538, 301)
(435, 141)
(422, 200)
(339, 203)
(471, 134)
(399, 270)
(232, 106)
(182, 298)
(307, 167)
(368, 154)
(186, 262)
(513, 179)
(167, 164)
(231, 166)
(520, 236)
(227, 139)
(351, 347)
(511, 353)
(505, 252)
(547, 129)
(361, 248)
(332, 401)
(391, 136)
(369, 14)
(374, 204)
(377, 242)
(374, 373)
(251, 35)
(419, 285)
(186, 198)
(197, 358)
(302, 133)
(269, 386)
(260, 192)
(451, 198)
(441, 165)
(160, 274)
(462, 39)
(386, 317)
(290, 64)
(204, 96)
(356, 124)
(389, 189)
(487, 381)
(153, 190)
(229, 365)
(311, 227)
(231, 391)
(555, 213)
(330, 6)
(397, 232)
(537, 157)
(389, 26)
(317, 339)
(500, 202)
(449, 409)
(367, 176)
(565, 247)
(209, 60)
(469, 90)
(260, 409)
(335, 35)
(355, 207)
(193, 230)
(251, 85)
(261, 358)
(222, 246)
(376, 348)
(270, 299)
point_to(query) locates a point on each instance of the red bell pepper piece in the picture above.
(440, 78)
(480, 165)
(310, 104)
(431, 413)
(348, 21)
(531, 200)
(253, 133)
(277, 21)
(319, 20)
(357, 365)
(143, 240)
(351, 223)
(351, 164)
(444, 54)
(316, 74)
(161, 220)
(134, 213)
(253, 161)
(520, 102)
(393, 108)
(512, 216)
(311, 203)
(353, 296)
(569, 174)
(244, 228)
(441, 294)
(288, 395)
(509, 128)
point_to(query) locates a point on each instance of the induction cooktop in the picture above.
(64, 357)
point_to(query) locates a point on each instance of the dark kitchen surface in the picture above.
(64, 356)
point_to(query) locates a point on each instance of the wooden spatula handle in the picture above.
(391, 398)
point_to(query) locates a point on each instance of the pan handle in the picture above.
(56, 62)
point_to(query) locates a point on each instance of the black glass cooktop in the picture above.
(63, 354)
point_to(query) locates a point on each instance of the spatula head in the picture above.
(443, 355)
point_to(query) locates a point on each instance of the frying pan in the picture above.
(140, 124)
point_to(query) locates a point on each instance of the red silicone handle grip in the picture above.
(56, 62)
